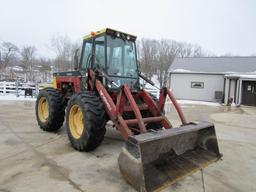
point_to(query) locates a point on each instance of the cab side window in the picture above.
(99, 59)
(87, 54)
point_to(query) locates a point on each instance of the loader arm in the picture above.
(115, 110)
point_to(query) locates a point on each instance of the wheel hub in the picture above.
(76, 124)
(43, 109)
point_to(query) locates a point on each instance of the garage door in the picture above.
(249, 93)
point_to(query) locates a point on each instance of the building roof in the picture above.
(214, 65)
(240, 76)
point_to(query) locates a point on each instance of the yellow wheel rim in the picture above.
(76, 124)
(43, 109)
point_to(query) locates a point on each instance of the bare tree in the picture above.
(198, 51)
(8, 54)
(44, 65)
(167, 51)
(190, 50)
(28, 61)
(147, 49)
(185, 49)
(157, 56)
(64, 49)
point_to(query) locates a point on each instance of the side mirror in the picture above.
(76, 59)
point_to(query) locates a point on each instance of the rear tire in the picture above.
(85, 121)
(50, 111)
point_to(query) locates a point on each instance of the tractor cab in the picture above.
(113, 53)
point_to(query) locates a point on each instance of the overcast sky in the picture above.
(220, 26)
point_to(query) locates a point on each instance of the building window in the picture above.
(199, 85)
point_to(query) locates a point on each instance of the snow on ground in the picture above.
(181, 70)
(12, 97)
(190, 102)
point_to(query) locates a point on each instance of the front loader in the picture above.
(106, 86)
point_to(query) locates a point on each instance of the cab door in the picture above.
(87, 55)
(99, 59)
(86, 61)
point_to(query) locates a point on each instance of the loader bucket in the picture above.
(154, 160)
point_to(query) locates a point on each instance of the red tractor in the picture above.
(106, 86)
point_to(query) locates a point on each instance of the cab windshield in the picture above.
(121, 58)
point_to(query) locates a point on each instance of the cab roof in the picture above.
(108, 31)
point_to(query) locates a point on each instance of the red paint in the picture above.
(135, 108)
(116, 104)
(177, 107)
(75, 80)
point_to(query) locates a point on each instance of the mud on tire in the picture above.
(50, 111)
(85, 121)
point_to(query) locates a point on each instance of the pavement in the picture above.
(35, 161)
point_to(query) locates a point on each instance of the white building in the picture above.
(216, 79)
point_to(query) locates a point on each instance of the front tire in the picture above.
(50, 111)
(85, 121)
